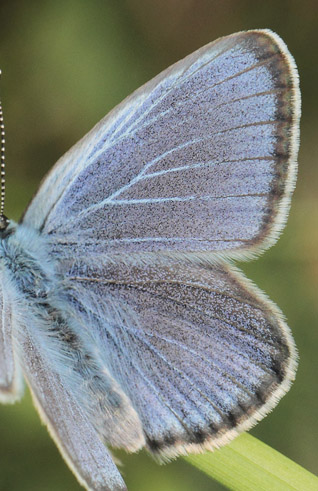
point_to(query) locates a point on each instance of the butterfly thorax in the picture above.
(26, 263)
(27, 266)
(23, 256)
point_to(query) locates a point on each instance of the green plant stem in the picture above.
(247, 464)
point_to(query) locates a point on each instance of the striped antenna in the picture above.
(3, 219)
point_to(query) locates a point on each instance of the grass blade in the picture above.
(247, 464)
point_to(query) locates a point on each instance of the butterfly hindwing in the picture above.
(200, 352)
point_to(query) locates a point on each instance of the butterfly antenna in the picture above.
(4, 222)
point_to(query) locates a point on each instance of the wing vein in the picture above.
(211, 163)
(135, 126)
(185, 198)
(213, 363)
(172, 86)
(174, 368)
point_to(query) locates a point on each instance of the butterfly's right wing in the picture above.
(201, 158)
(199, 351)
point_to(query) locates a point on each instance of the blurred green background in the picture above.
(65, 64)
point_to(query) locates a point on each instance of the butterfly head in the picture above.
(4, 222)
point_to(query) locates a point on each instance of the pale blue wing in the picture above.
(11, 382)
(201, 158)
(66, 420)
(201, 353)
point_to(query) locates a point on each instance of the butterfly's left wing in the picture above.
(200, 352)
(11, 382)
(66, 420)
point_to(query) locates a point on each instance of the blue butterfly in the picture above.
(121, 307)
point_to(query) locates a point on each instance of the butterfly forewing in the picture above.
(196, 160)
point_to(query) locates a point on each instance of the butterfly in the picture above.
(121, 307)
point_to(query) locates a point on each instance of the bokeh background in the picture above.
(65, 64)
